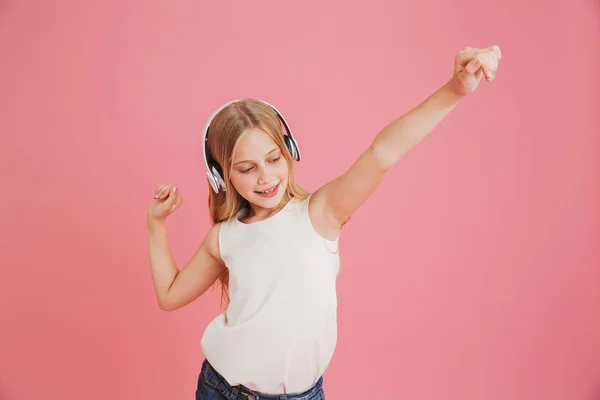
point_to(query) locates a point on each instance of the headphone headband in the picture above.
(212, 171)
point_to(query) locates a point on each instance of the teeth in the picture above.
(268, 190)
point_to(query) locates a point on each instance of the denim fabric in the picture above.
(212, 386)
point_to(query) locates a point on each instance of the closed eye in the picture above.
(248, 170)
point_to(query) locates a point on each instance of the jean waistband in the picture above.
(240, 392)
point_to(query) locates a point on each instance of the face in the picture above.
(259, 172)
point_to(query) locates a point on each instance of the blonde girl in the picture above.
(272, 246)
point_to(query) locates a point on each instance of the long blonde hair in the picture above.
(225, 130)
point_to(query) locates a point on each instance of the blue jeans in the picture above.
(212, 386)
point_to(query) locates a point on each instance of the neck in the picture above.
(257, 213)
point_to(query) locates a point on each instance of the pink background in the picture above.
(471, 274)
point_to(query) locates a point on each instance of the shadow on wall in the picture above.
(595, 396)
(2, 395)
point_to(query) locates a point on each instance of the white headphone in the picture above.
(214, 171)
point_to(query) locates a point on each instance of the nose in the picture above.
(263, 176)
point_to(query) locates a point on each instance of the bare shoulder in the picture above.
(323, 222)
(211, 241)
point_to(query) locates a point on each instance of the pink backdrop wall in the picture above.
(471, 274)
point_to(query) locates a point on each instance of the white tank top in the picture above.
(279, 332)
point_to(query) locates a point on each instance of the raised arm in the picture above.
(334, 203)
(175, 288)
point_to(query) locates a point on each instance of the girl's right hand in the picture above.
(167, 199)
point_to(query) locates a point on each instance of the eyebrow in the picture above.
(240, 162)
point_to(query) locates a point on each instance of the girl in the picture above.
(273, 246)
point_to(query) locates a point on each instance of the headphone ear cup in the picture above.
(291, 147)
(217, 181)
(213, 181)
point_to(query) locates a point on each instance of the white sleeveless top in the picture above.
(279, 332)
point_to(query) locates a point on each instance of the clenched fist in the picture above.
(472, 64)
(167, 199)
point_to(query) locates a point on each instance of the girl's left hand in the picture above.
(472, 64)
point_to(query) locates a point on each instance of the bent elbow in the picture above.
(384, 157)
(165, 305)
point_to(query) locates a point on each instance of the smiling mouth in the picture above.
(268, 191)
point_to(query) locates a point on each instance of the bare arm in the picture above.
(335, 202)
(174, 288)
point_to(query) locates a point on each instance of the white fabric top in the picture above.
(279, 332)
